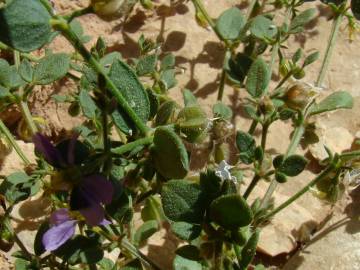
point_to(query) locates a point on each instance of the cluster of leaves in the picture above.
(147, 166)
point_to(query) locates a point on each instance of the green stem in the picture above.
(331, 44)
(28, 117)
(78, 13)
(200, 6)
(253, 127)
(350, 155)
(252, 185)
(136, 253)
(320, 177)
(13, 143)
(237, 252)
(264, 134)
(130, 146)
(250, 9)
(64, 27)
(48, 6)
(25, 55)
(222, 85)
(295, 140)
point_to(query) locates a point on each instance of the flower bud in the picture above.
(112, 9)
(298, 96)
(299, 73)
(284, 67)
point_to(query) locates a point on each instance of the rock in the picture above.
(337, 139)
(12, 162)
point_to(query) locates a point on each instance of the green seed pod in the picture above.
(192, 122)
(166, 113)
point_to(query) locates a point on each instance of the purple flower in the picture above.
(63, 228)
(88, 195)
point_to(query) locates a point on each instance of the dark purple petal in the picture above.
(50, 153)
(58, 235)
(71, 149)
(98, 188)
(94, 215)
(59, 216)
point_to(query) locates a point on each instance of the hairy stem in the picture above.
(250, 9)
(10, 138)
(252, 185)
(295, 140)
(64, 27)
(331, 44)
(130, 146)
(320, 177)
(78, 13)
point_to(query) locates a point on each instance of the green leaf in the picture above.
(297, 55)
(185, 231)
(38, 245)
(169, 154)
(106, 264)
(87, 104)
(167, 79)
(246, 145)
(146, 65)
(133, 91)
(167, 62)
(262, 28)
(80, 249)
(145, 231)
(189, 98)
(79, 31)
(230, 23)
(355, 8)
(51, 68)
(18, 178)
(258, 78)
(337, 100)
(187, 258)
(249, 250)
(293, 165)
(183, 201)
(21, 264)
(154, 102)
(9, 77)
(238, 67)
(223, 111)
(25, 25)
(298, 23)
(26, 70)
(311, 58)
(231, 212)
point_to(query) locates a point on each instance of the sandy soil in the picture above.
(200, 55)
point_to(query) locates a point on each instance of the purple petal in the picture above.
(105, 222)
(58, 235)
(97, 188)
(60, 216)
(94, 215)
(50, 153)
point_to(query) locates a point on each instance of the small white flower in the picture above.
(223, 172)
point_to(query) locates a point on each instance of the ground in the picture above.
(199, 56)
